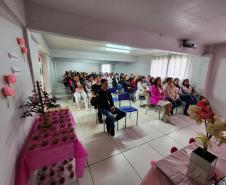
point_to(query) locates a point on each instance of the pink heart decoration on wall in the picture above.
(10, 79)
(8, 91)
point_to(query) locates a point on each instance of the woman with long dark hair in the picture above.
(187, 89)
(172, 94)
(184, 97)
(158, 98)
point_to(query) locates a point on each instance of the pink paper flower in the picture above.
(191, 140)
(8, 91)
(173, 149)
(10, 78)
(154, 163)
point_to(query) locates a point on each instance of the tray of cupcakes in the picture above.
(61, 131)
(57, 174)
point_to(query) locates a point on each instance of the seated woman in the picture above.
(187, 89)
(115, 81)
(142, 89)
(88, 85)
(79, 91)
(133, 87)
(151, 81)
(172, 94)
(183, 97)
(158, 98)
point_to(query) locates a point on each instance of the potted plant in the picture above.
(39, 102)
(202, 162)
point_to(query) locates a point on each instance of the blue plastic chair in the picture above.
(127, 109)
(114, 92)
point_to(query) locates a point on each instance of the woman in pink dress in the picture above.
(158, 98)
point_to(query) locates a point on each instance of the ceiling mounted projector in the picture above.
(186, 43)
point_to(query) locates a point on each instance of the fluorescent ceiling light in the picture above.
(118, 46)
(117, 50)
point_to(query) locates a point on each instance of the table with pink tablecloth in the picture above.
(173, 168)
(49, 146)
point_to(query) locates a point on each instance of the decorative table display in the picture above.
(51, 146)
(202, 162)
(199, 163)
(173, 168)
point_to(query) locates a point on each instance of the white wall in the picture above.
(63, 65)
(34, 52)
(13, 129)
(199, 71)
(216, 81)
(142, 66)
(91, 56)
(47, 72)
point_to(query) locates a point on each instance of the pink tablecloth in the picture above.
(68, 146)
(173, 169)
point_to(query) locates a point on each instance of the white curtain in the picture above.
(179, 66)
(176, 66)
(159, 66)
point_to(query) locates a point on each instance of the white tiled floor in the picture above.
(125, 158)
(140, 158)
(164, 144)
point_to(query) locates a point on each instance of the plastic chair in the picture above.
(127, 109)
(114, 92)
(182, 105)
(154, 107)
(141, 99)
(104, 119)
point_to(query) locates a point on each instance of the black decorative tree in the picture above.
(39, 102)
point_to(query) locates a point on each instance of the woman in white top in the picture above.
(142, 89)
(89, 83)
(80, 92)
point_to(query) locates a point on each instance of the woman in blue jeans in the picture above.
(184, 97)
(188, 90)
(106, 107)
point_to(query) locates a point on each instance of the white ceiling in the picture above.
(74, 44)
(200, 20)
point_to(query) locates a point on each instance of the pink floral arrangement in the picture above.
(215, 126)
